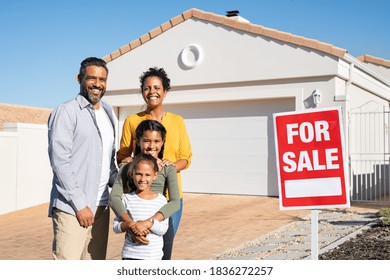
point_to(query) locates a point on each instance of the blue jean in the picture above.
(177, 217)
(168, 242)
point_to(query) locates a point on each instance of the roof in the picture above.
(374, 60)
(232, 23)
(22, 114)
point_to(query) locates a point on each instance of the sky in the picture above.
(42, 42)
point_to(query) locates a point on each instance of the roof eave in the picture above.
(232, 23)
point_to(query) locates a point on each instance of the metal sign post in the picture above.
(314, 234)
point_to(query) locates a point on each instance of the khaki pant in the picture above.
(73, 242)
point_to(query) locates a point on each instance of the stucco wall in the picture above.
(227, 56)
(25, 173)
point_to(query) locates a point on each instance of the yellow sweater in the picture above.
(177, 144)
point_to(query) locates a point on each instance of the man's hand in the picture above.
(85, 217)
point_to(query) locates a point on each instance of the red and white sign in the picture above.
(310, 159)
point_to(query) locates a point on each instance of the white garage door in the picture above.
(233, 146)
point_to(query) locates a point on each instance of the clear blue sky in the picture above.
(42, 42)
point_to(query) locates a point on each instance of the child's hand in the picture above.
(139, 239)
(141, 227)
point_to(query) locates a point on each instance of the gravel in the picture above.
(371, 244)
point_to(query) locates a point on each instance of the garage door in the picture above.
(233, 146)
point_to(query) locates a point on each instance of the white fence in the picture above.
(25, 173)
(370, 154)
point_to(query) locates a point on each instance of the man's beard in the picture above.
(91, 98)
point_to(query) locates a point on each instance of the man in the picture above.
(82, 155)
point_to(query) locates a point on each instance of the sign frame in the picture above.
(311, 159)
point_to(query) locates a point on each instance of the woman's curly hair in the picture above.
(156, 72)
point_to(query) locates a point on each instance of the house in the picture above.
(229, 76)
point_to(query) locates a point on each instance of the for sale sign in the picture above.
(311, 160)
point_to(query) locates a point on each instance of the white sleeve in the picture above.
(117, 225)
(160, 228)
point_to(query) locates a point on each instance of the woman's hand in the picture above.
(167, 162)
(127, 160)
(179, 164)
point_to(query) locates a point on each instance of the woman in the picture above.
(150, 139)
(155, 85)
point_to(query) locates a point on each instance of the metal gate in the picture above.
(369, 153)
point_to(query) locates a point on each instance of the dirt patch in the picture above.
(371, 244)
